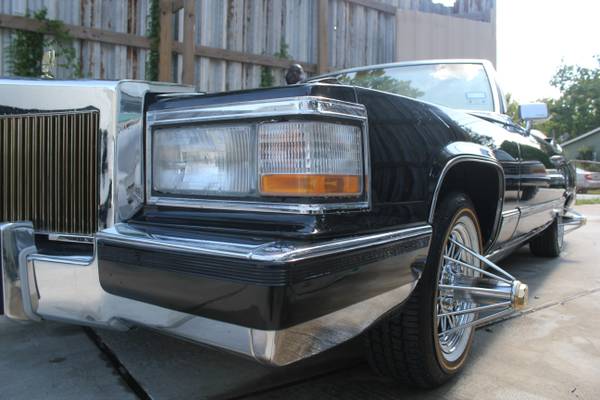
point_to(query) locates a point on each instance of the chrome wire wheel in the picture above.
(561, 233)
(452, 344)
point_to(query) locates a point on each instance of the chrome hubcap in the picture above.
(449, 305)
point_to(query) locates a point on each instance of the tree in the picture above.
(26, 49)
(585, 153)
(512, 108)
(377, 79)
(577, 110)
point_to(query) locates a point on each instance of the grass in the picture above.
(585, 202)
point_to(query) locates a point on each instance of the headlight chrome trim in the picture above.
(272, 108)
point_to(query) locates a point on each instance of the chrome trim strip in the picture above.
(291, 106)
(511, 245)
(255, 206)
(305, 105)
(275, 251)
(541, 207)
(69, 238)
(511, 213)
(291, 254)
(465, 158)
(452, 163)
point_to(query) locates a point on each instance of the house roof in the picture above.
(578, 138)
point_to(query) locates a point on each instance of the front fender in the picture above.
(455, 154)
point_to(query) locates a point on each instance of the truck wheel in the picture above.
(550, 242)
(408, 344)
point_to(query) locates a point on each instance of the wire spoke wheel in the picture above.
(450, 307)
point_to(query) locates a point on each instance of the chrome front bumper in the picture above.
(67, 288)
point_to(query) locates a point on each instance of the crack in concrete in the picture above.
(542, 307)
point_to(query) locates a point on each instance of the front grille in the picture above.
(50, 171)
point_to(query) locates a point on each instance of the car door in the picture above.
(542, 183)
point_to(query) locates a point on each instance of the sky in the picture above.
(534, 36)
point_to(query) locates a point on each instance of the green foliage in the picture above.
(153, 33)
(512, 108)
(377, 79)
(266, 77)
(283, 51)
(586, 202)
(26, 50)
(585, 153)
(266, 73)
(577, 110)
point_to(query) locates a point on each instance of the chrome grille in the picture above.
(50, 171)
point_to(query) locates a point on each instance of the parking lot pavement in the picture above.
(550, 350)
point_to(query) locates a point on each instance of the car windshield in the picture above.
(462, 86)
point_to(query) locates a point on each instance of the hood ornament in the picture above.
(49, 64)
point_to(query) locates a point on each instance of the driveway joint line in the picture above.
(117, 365)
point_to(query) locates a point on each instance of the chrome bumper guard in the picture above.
(67, 289)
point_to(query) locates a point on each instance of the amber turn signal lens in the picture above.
(310, 185)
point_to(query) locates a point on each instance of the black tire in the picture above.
(402, 345)
(549, 243)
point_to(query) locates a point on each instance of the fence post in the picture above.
(323, 37)
(189, 39)
(165, 49)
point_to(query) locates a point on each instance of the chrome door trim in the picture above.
(541, 207)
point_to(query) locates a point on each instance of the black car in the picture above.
(277, 223)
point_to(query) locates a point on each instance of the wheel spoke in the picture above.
(484, 260)
(504, 304)
(481, 271)
(483, 320)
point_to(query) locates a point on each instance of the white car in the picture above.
(587, 180)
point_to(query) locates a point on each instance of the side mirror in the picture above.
(533, 112)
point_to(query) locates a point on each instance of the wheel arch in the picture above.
(482, 179)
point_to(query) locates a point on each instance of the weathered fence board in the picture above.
(235, 40)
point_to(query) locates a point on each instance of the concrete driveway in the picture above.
(549, 351)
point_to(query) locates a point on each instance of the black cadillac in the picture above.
(278, 223)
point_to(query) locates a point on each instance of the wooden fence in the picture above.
(233, 40)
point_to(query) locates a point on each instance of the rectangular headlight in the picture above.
(287, 158)
(205, 160)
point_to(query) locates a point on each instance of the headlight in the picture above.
(298, 155)
(299, 158)
(205, 160)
